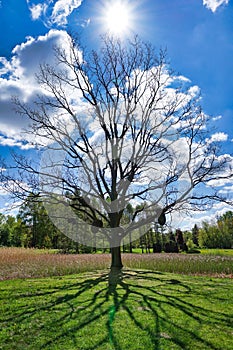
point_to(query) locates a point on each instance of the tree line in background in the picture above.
(32, 228)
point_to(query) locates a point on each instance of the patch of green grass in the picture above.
(139, 250)
(146, 310)
(221, 252)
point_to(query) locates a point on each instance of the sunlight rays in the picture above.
(118, 17)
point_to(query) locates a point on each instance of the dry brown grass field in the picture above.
(32, 263)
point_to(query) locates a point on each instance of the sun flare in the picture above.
(117, 17)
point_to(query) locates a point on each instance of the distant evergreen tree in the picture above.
(4, 231)
(195, 232)
(171, 246)
(180, 240)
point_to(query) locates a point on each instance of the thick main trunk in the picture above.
(116, 263)
(115, 242)
(115, 275)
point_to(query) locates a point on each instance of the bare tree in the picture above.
(117, 127)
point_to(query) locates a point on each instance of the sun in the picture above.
(117, 17)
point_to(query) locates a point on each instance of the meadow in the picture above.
(33, 263)
(164, 301)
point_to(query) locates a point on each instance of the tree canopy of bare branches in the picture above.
(118, 127)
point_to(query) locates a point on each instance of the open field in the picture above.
(64, 302)
(148, 310)
(31, 263)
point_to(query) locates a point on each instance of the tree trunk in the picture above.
(130, 243)
(116, 263)
(115, 275)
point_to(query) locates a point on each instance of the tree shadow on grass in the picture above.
(141, 310)
(162, 301)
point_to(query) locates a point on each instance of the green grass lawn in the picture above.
(147, 310)
(222, 252)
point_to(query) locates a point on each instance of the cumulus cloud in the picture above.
(213, 5)
(17, 78)
(62, 9)
(37, 10)
(179, 219)
(218, 137)
(53, 12)
(7, 141)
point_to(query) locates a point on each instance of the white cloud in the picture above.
(6, 188)
(8, 205)
(37, 10)
(62, 9)
(53, 12)
(213, 5)
(3, 191)
(218, 137)
(184, 79)
(29, 55)
(186, 222)
(193, 91)
(227, 190)
(219, 182)
(217, 118)
(11, 142)
(17, 78)
(225, 171)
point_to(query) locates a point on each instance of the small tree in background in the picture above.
(157, 246)
(4, 231)
(195, 232)
(171, 245)
(180, 240)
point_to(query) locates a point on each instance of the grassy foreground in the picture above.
(63, 302)
(147, 310)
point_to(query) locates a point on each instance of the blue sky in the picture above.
(198, 35)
